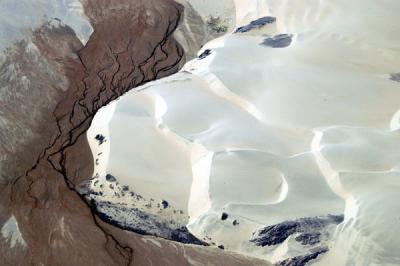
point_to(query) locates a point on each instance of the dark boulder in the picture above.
(111, 178)
(165, 204)
(100, 138)
(204, 54)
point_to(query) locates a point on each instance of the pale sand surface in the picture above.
(269, 135)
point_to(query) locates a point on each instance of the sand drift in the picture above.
(281, 141)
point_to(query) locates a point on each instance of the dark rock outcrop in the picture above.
(309, 238)
(309, 229)
(278, 41)
(256, 24)
(138, 221)
(204, 54)
(395, 77)
(303, 260)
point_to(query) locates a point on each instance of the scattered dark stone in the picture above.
(94, 193)
(97, 161)
(110, 178)
(395, 77)
(256, 24)
(224, 216)
(125, 188)
(278, 233)
(303, 260)
(165, 204)
(204, 54)
(221, 247)
(278, 41)
(309, 238)
(100, 138)
(235, 222)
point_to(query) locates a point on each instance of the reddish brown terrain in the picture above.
(52, 87)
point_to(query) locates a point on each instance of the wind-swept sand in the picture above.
(271, 134)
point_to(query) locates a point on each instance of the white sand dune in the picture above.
(269, 135)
